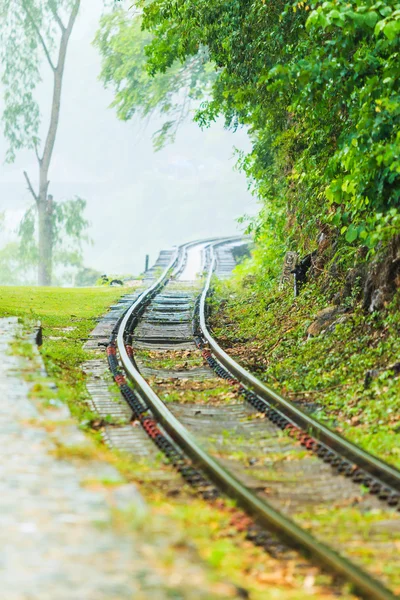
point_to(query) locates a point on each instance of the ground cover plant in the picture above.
(338, 369)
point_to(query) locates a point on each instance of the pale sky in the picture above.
(139, 201)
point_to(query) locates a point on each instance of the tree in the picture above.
(318, 84)
(172, 93)
(32, 31)
(67, 227)
(19, 258)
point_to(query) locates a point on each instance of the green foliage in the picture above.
(28, 250)
(122, 45)
(318, 85)
(18, 259)
(21, 55)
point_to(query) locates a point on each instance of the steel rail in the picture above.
(378, 469)
(261, 510)
(182, 250)
(174, 267)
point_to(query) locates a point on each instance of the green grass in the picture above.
(69, 315)
(227, 552)
(342, 528)
(268, 334)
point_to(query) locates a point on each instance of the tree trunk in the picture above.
(46, 238)
(43, 201)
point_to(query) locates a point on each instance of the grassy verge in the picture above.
(324, 372)
(256, 574)
(68, 315)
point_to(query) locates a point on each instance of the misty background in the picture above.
(138, 201)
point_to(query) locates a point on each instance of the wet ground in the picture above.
(57, 536)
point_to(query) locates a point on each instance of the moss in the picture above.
(83, 452)
(22, 348)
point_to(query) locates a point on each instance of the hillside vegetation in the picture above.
(317, 86)
(338, 364)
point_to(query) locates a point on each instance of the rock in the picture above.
(301, 269)
(338, 321)
(369, 376)
(325, 318)
(355, 281)
(337, 298)
(383, 277)
(377, 301)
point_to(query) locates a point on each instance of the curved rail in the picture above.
(379, 470)
(261, 510)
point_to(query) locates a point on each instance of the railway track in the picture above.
(291, 469)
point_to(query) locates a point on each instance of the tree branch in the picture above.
(37, 154)
(32, 191)
(43, 43)
(57, 18)
(74, 14)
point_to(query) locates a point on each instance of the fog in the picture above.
(138, 200)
